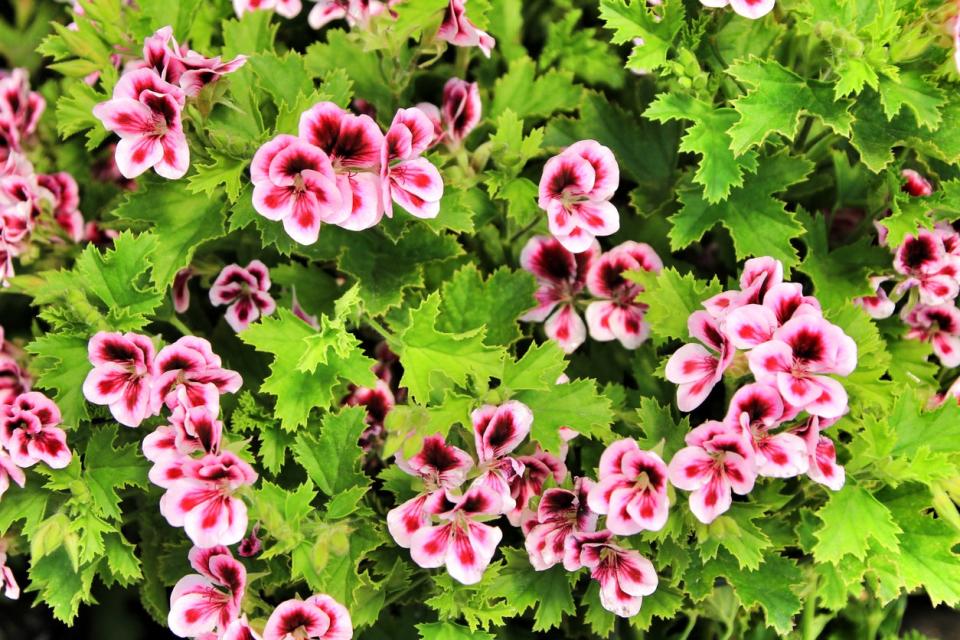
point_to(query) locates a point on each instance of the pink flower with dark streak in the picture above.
(29, 431)
(145, 113)
(562, 513)
(123, 375)
(406, 178)
(20, 107)
(319, 617)
(461, 109)
(239, 629)
(915, 184)
(251, 545)
(378, 402)
(9, 471)
(751, 324)
(197, 428)
(13, 380)
(209, 599)
(822, 453)
(624, 575)
(458, 30)
(432, 112)
(940, 326)
(797, 360)
(353, 144)
(924, 260)
(632, 489)
(879, 305)
(497, 431)
(717, 460)
(66, 200)
(294, 182)
(537, 470)
(285, 8)
(561, 277)
(694, 368)
(355, 12)
(203, 500)
(162, 54)
(191, 364)
(752, 9)
(200, 71)
(245, 291)
(757, 409)
(181, 289)
(463, 544)
(7, 580)
(618, 316)
(575, 191)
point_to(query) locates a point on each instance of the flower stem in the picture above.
(178, 324)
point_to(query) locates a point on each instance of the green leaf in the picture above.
(75, 114)
(581, 50)
(282, 77)
(106, 469)
(525, 588)
(423, 350)
(577, 404)
(250, 417)
(60, 586)
(777, 99)
(61, 364)
(249, 34)
(913, 91)
(658, 27)
(852, 517)
(224, 173)
(341, 52)
(735, 532)
(468, 302)
(332, 458)
(658, 426)
(671, 299)
(537, 370)
(867, 386)
(450, 631)
(773, 587)
(533, 96)
(510, 147)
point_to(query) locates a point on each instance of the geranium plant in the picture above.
(450, 319)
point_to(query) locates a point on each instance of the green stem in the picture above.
(524, 230)
(174, 321)
(687, 630)
(382, 330)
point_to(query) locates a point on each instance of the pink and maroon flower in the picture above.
(20, 108)
(461, 109)
(497, 431)
(561, 277)
(632, 489)
(618, 316)
(285, 8)
(29, 430)
(13, 380)
(822, 454)
(940, 326)
(458, 30)
(202, 501)
(245, 291)
(537, 470)
(65, 197)
(145, 113)
(624, 575)
(757, 409)
(879, 305)
(123, 375)
(915, 184)
(406, 178)
(7, 580)
(9, 472)
(924, 260)
(191, 364)
(562, 513)
(355, 12)
(717, 460)
(575, 191)
(695, 369)
(319, 617)
(181, 289)
(209, 599)
(752, 9)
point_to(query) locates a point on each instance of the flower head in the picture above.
(562, 513)
(458, 30)
(191, 364)
(461, 109)
(617, 315)
(209, 599)
(245, 291)
(624, 575)
(632, 489)
(319, 617)
(29, 432)
(406, 178)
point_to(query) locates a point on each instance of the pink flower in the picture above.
(190, 363)
(19, 106)
(319, 617)
(460, 109)
(251, 545)
(458, 30)
(537, 469)
(752, 9)
(878, 306)
(181, 290)
(203, 501)
(624, 575)
(294, 182)
(757, 408)
(246, 291)
(575, 191)
(822, 454)
(355, 12)
(796, 360)
(561, 276)
(497, 431)
(413, 515)
(938, 325)
(239, 629)
(463, 544)
(353, 144)
(438, 464)
(162, 54)
(695, 369)
(716, 461)
(924, 259)
(562, 513)
(13, 380)
(209, 599)
(915, 184)
(432, 112)
(66, 198)
(285, 8)
(9, 582)
(617, 316)
(29, 431)
(378, 402)
(123, 375)
(406, 178)
(196, 428)
(632, 489)
(200, 71)
(145, 113)
(9, 472)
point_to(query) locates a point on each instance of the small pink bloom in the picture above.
(209, 599)
(200, 71)
(461, 109)
(355, 12)
(197, 428)
(752, 9)
(878, 306)
(461, 543)
(759, 276)
(716, 461)
(7, 580)
(458, 30)
(822, 453)
(938, 325)
(203, 501)
(921, 253)
(301, 313)
(181, 289)
(432, 112)
(915, 184)
(285, 8)
(618, 316)
(20, 106)
(537, 469)
(66, 200)
(9, 472)
(251, 545)
(438, 464)
(405, 177)
(561, 276)
(13, 380)
(498, 430)
(190, 363)
(246, 291)
(378, 402)
(695, 369)
(796, 359)
(239, 629)
(632, 489)
(413, 515)
(575, 191)
(757, 408)
(561, 514)
(624, 575)
(145, 113)
(123, 375)
(319, 617)
(924, 259)
(29, 431)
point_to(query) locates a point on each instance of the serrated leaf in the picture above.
(469, 301)
(107, 469)
(332, 458)
(577, 404)
(525, 588)
(656, 26)
(61, 364)
(671, 299)
(850, 518)
(530, 95)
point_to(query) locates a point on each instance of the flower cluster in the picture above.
(148, 101)
(378, 401)
(458, 115)
(564, 278)
(341, 169)
(246, 293)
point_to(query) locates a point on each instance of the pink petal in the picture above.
(137, 154)
(750, 325)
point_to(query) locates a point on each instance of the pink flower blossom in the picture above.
(285, 8)
(20, 108)
(717, 460)
(752, 9)
(9, 471)
(9, 582)
(319, 617)
(915, 184)
(251, 545)
(562, 513)
(378, 401)
(406, 178)
(203, 501)
(209, 599)
(29, 431)
(65, 196)
(924, 260)
(879, 305)
(181, 289)
(617, 316)
(145, 113)
(239, 629)
(13, 380)
(245, 291)
(461, 109)
(561, 276)
(497, 431)
(537, 470)
(695, 369)
(355, 12)
(822, 454)
(757, 409)
(938, 325)
(632, 489)
(123, 375)
(575, 191)
(460, 542)
(191, 364)
(624, 575)
(458, 30)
